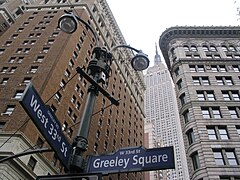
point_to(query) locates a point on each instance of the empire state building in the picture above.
(161, 112)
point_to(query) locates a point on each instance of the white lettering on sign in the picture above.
(98, 163)
(143, 160)
(136, 160)
(51, 128)
(36, 109)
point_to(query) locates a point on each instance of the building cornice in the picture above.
(195, 32)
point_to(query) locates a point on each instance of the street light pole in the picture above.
(98, 71)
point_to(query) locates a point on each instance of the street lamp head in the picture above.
(140, 62)
(68, 23)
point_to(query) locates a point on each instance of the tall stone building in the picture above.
(33, 49)
(204, 64)
(161, 111)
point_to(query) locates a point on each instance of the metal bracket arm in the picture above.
(95, 84)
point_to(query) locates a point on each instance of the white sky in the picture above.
(143, 21)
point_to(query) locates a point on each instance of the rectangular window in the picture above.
(190, 135)
(196, 68)
(26, 50)
(205, 81)
(205, 95)
(216, 112)
(238, 130)
(236, 68)
(218, 157)
(62, 84)
(183, 99)
(19, 50)
(217, 132)
(12, 60)
(200, 68)
(67, 73)
(192, 68)
(201, 81)
(54, 160)
(40, 142)
(231, 157)
(78, 105)
(32, 163)
(39, 59)
(220, 81)
(200, 96)
(233, 112)
(223, 133)
(9, 110)
(216, 56)
(4, 69)
(179, 84)
(224, 80)
(195, 161)
(45, 49)
(228, 81)
(69, 112)
(58, 96)
(226, 95)
(73, 100)
(14, 36)
(210, 96)
(50, 41)
(206, 113)
(225, 157)
(209, 56)
(26, 80)
(211, 112)
(214, 68)
(18, 94)
(235, 95)
(222, 69)
(32, 42)
(196, 81)
(231, 95)
(4, 81)
(70, 132)
(8, 43)
(212, 135)
(2, 124)
(74, 117)
(33, 69)
(12, 70)
(1, 51)
(65, 126)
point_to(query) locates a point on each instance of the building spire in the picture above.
(157, 58)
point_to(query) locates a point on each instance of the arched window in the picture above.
(193, 48)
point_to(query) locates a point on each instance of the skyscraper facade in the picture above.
(161, 110)
(33, 49)
(204, 65)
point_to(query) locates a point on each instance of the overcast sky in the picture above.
(142, 22)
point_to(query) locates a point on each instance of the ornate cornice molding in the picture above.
(195, 32)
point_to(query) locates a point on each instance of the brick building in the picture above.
(33, 49)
